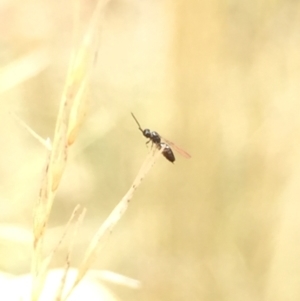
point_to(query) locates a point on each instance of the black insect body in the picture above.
(167, 152)
(153, 136)
(156, 139)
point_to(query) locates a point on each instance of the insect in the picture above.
(160, 142)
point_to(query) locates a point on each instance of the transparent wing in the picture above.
(177, 148)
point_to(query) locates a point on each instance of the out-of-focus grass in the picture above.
(220, 79)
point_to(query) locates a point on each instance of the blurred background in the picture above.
(221, 79)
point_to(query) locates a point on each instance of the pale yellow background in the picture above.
(221, 79)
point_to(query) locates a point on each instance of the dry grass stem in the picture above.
(45, 142)
(22, 69)
(118, 279)
(70, 116)
(113, 218)
(78, 216)
(66, 130)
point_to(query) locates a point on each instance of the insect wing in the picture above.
(178, 149)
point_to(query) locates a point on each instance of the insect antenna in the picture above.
(140, 128)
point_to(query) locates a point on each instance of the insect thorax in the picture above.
(155, 137)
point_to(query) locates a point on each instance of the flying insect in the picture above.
(161, 142)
